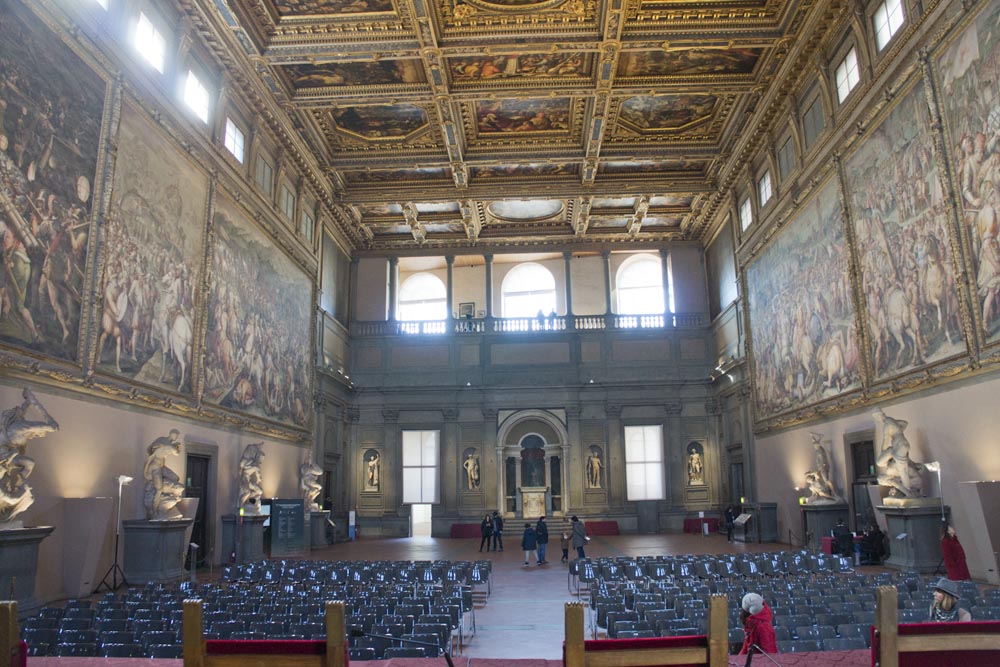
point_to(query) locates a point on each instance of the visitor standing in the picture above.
(579, 536)
(486, 529)
(731, 515)
(758, 625)
(954, 556)
(528, 542)
(497, 530)
(542, 537)
(564, 544)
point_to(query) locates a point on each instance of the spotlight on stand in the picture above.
(935, 467)
(115, 569)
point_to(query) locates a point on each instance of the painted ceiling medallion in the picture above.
(523, 210)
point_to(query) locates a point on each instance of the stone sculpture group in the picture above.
(163, 487)
(16, 429)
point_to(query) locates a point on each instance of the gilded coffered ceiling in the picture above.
(460, 122)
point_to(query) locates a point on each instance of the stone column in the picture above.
(490, 443)
(351, 471)
(390, 486)
(450, 295)
(573, 462)
(393, 280)
(451, 463)
(749, 445)
(665, 272)
(489, 289)
(352, 306)
(614, 470)
(607, 283)
(713, 449)
(673, 445)
(567, 257)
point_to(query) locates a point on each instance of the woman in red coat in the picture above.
(758, 627)
(954, 556)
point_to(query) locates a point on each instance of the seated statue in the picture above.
(15, 465)
(163, 487)
(895, 469)
(818, 480)
(311, 486)
(250, 478)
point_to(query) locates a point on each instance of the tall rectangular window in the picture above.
(420, 467)
(150, 43)
(888, 19)
(746, 214)
(287, 202)
(786, 158)
(644, 463)
(265, 174)
(812, 121)
(308, 225)
(103, 3)
(847, 75)
(196, 96)
(764, 188)
(235, 140)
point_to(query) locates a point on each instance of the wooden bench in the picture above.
(895, 644)
(711, 649)
(13, 651)
(201, 652)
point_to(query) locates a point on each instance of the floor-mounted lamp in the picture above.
(935, 467)
(115, 569)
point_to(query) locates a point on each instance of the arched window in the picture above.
(528, 289)
(422, 297)
(640, 285)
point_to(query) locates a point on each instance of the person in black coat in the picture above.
(486, 529)
(497, 531)
(528, 542)
(731, 514)
(542, 536)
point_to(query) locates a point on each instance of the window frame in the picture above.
(443, 300)
(503, 290)
(307, 231)
(845, 74)
(745, 207)
(813, 108)
(262, 159)
(625, 266)
(783, 174)
(156, 23)
(765, 179)
(645, 464)
(436, 467)
(230, 121)
(892, 35)
(287, 195)
(193, 70)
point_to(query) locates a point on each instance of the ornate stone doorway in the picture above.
(532, 450)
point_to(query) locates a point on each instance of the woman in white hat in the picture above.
(945, 608)
(758, 626)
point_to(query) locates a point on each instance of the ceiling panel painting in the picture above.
(613, 202)
(636, 167)
(523, 171)
(667, 113)
(663, 201)
(465, 71)
(328, 75)
(521, 210)
(381, 122)
(523, 116)
(397, 175)
(688, 62)
(290, 8)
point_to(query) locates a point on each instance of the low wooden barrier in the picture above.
(201, 652)
(13, 651)
(711, 649)
(895, 644)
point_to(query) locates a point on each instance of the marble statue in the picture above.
(163, 487)
(895, 469)
(471, 466)
(16, 466)
(696, 467)
(818, 479)
(311, 486)
(371, 477)
(594, 468)
(250, 478)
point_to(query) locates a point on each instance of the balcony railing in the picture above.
(528, 325)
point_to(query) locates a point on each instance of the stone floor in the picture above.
(522, 623)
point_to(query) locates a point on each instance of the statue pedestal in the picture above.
(242, 538)
(919, 548)
(318, 528)
(154, 550)
(818, 522)
(533, 501)
(19, 565)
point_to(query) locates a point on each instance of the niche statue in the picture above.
(818, 479)
(15, 466)
(895, 469)
(311, 486)
(163, 487)
(250, 478)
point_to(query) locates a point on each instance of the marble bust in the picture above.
(251, 478)
(16, 429)
(163, 487)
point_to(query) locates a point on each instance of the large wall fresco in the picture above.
(900, 223)
(258, 347)
(153, 241)
(51, 107)
(801, 313)
(968, 69)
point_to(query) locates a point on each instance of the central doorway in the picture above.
(420, 520)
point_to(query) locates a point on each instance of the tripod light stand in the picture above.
(115, 569)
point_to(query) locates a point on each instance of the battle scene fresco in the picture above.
(382, 121)
(51, 106)
(666, 112)
(688, 62)
(523, 116)
(258, 347)
(969, 73)
(802, 319)
(523, 66)
(524, 170)
(900, 224)
(304, 77)
(153, 247)
(320, 7)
